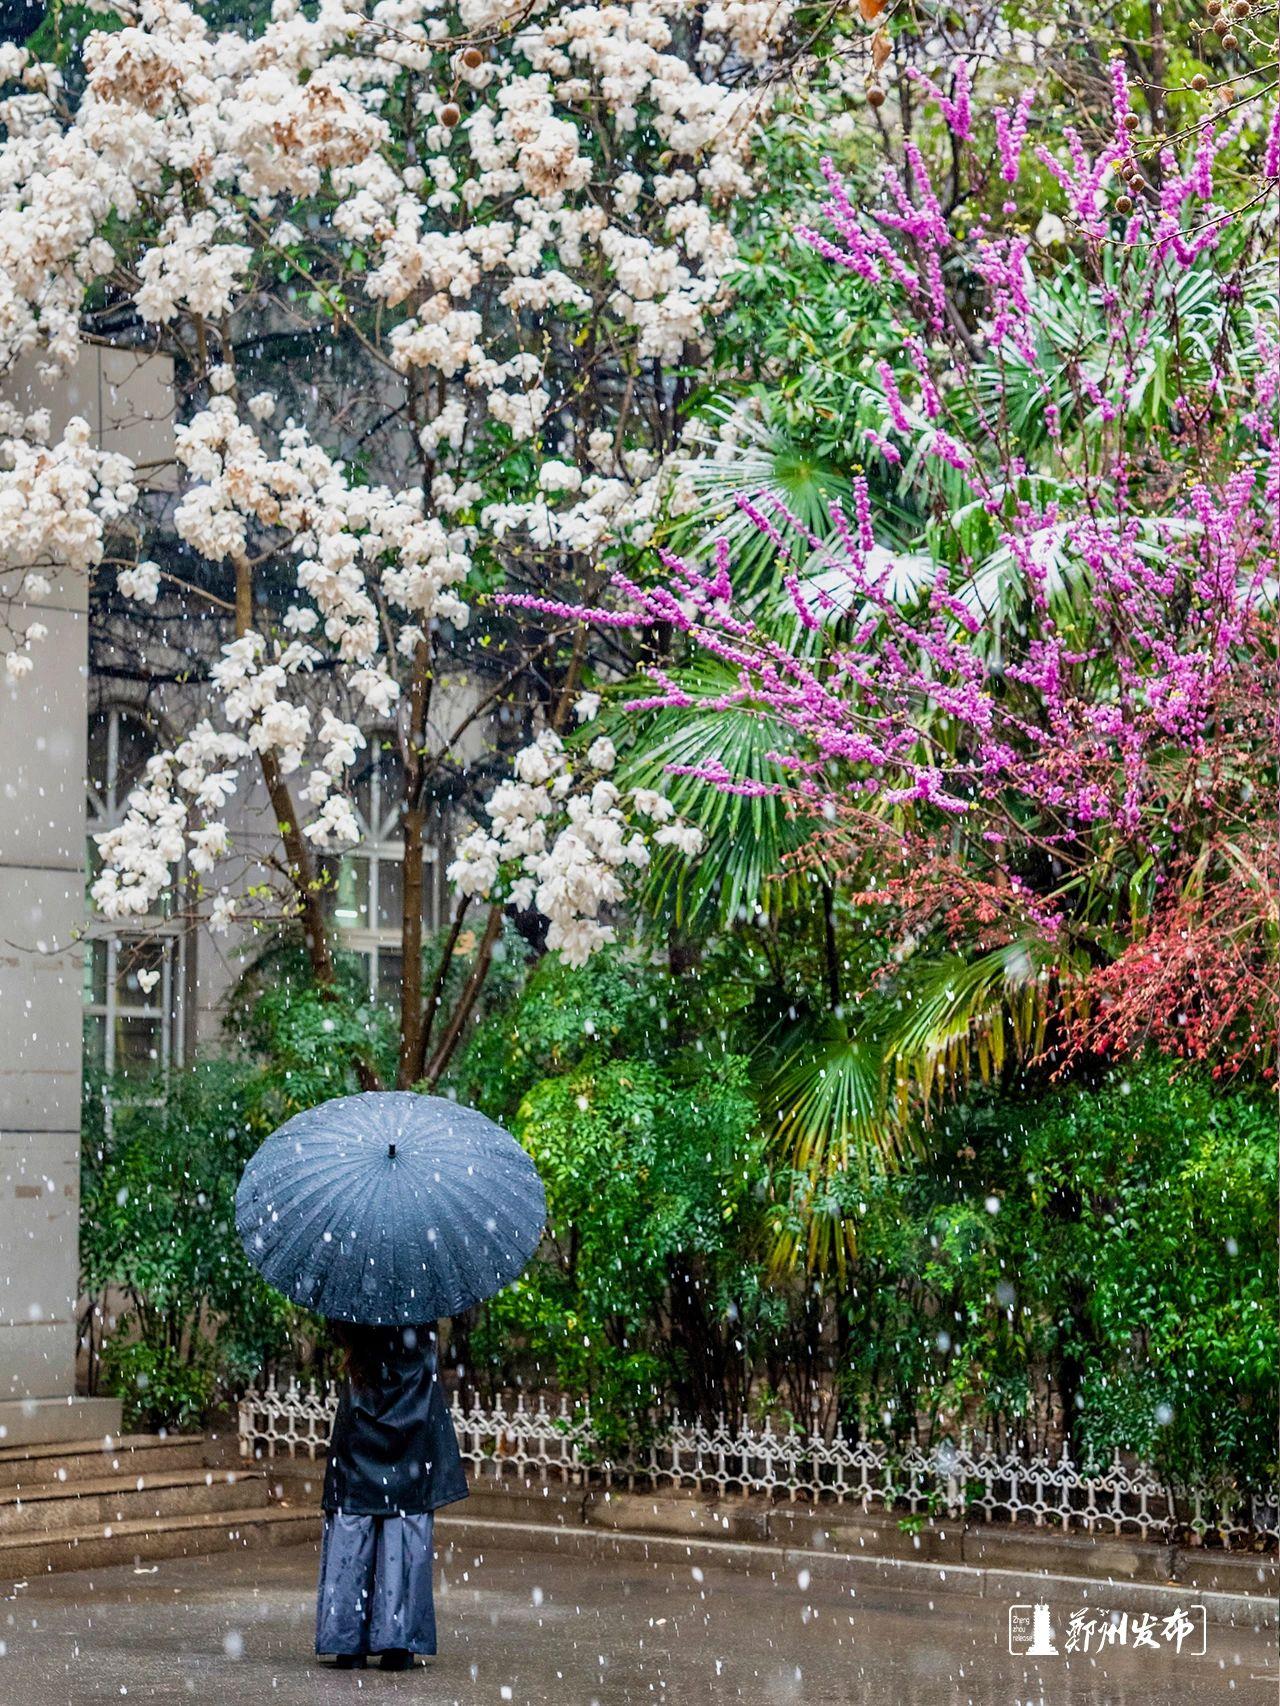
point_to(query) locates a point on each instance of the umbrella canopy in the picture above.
(390, 1207)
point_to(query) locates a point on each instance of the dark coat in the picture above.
(393, 1447)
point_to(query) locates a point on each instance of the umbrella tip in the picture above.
(391, 1151)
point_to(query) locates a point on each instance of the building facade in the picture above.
(43, 761)
(114, 684)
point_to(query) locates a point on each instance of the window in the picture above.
(129, 1031)
(368, 892)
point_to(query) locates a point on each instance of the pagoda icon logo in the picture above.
(1042, 1646)
(1031, 1633)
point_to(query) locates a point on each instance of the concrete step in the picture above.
(56, 1507)
(92, 1459)
(145, 1542)
(28, 1420)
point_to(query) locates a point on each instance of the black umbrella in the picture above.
(390, 1207)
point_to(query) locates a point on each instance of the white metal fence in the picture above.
(554, 1441)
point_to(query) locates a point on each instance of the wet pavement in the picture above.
(543, 1630)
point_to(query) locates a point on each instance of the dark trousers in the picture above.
(375, 1584)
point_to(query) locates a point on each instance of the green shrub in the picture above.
(158, 1224)
(296, 1044)
(1106, 1250)
(159, 1385)
(647, 1139)
(1100, 1256)
(1103, 1254)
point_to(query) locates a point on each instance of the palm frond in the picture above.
(826, 1098)
(847, 1100)
(827, 1114)
(1072, 338)
(997, 593)
(763, 463)
(831, 596)
(742, 866)
(959, 1016)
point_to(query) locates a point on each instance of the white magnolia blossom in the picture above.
(142, 582)
(651, 804)
(602, 754)
(336, 826)
(216, 137)
(353, 545)
(56, 499)
(266, 121)
(564, 841)
(200, 148)
(222, 914)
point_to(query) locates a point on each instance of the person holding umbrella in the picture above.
(393, 1461)
(384, 1212)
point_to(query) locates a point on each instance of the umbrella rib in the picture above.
(314, 1202)
(313, 1259)
(446, 1281)
(463, 1210)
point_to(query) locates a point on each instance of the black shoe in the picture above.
(396, 1658)
(350, 1661)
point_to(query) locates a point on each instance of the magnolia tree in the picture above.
(510, 219)
(1050, 743)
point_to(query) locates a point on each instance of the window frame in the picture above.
(165, 1006)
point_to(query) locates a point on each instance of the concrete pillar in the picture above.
(42, 906)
